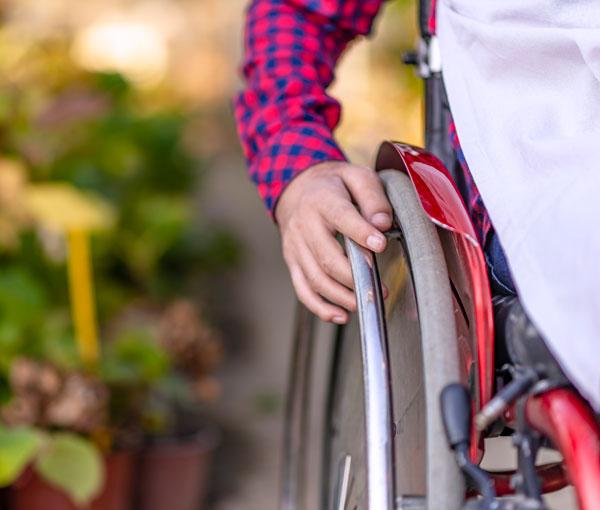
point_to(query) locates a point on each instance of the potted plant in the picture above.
(59, 446)
(178, 452)
(62, 459)
(48, 466)
(96, 400)
(131, 412)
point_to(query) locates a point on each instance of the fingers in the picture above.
(315, 303)
(367, 190)
(316, 205)
(330, 255)
(323, 284)
(322, 294)
(346, 219)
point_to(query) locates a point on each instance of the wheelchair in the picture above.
(396, 409)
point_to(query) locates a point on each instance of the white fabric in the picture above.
(523, 79)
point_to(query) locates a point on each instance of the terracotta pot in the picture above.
(31, 492)
(173, 473)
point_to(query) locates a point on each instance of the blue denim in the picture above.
(500, 278)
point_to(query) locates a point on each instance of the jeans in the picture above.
(500, 278)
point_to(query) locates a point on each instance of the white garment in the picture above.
(523, 80)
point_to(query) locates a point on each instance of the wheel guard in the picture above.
(443, 204)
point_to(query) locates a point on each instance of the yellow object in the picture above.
(82, 295)
(63, 207)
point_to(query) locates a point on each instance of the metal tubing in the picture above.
(566, 419)
(378, 412)
(296, 422)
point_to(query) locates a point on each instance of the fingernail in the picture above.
(376, 242)
(385, 291)
(381, 220)
(339, 319)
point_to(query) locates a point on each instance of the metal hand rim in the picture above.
(378, 412)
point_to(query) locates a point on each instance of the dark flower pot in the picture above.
(31, 492)
(174, 473)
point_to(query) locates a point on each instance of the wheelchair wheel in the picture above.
(383, 444)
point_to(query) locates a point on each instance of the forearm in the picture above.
(285, 117)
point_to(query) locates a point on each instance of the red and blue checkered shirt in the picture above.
(285, 117)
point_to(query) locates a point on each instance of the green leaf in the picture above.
(21, 296)
(113, 83)
(18, 447)
(72, 464)
(11, 343)
(134, 358)
(57, 342)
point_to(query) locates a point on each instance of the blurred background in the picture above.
(145, 310)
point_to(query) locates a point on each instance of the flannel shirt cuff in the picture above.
(293, 149)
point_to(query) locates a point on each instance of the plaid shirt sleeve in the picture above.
(285, 117)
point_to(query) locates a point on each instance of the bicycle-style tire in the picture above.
(423, 357)
(419, 357)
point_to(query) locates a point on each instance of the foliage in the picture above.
(133, 367)
(72, 464)
(30, 322)
(64, 460)
(93, 134)
(17, 449)
(85, 149)
(134, 359)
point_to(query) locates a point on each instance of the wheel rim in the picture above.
(347, 467)
(344, 474)
(423, 334)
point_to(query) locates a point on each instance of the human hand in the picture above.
(314, 207)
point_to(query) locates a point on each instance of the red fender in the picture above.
(443, 204)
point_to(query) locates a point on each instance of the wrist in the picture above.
(284, 202)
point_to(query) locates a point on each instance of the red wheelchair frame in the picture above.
(559, 414)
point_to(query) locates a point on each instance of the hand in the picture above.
(314, 207)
